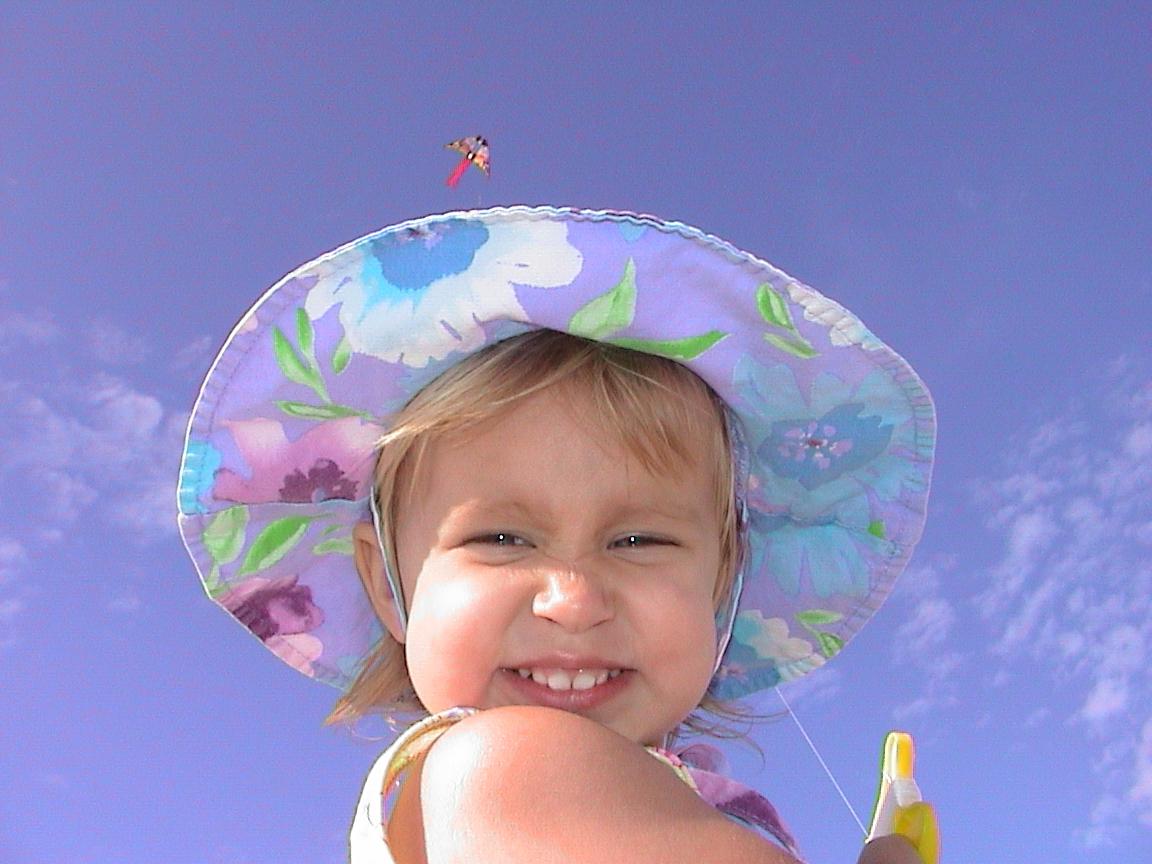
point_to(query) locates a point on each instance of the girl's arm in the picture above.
(527, 784)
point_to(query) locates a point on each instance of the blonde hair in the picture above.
(656, 408)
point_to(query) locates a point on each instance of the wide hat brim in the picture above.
(277, 466)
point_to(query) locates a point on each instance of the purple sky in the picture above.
(974, 184)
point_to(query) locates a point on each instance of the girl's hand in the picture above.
(893, 849)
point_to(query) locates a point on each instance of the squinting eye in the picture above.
(499, 538)
(639, 541)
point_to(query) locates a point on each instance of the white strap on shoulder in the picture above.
(367, 841)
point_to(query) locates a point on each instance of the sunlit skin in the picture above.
(536, 540)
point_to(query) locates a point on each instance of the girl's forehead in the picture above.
(669, 430)
(555, 434)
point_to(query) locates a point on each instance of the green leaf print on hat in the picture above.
(609, 313)
(319, 412)
(812, 619)
(341, 355)
(299, 366)
(274, 542)
(224, 540)
(774, 310)
(603, 316)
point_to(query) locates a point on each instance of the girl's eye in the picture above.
(499, 538)
(639, 541)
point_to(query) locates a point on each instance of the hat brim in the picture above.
(280, 448)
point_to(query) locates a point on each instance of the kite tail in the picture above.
(455, 176)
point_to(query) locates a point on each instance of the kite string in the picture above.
(823, 764)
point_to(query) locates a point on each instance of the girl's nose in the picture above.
(573, 599)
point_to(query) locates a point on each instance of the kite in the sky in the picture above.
(475, 150)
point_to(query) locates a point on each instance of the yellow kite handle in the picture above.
(899, 807)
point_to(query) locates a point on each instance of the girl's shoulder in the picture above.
(535, 784)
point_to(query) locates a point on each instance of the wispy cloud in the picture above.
(9, 609)
(96, 446)
(13, 557)
(194, 356)
(124, 604)
(811, 690)
(930, 625)
(925, 640)
(19, 329)
(112, 344)
(1141, 789)
(80, 442)
(1072, 588)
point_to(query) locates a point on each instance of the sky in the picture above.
(973, 180)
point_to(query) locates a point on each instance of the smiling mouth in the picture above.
(555, 678)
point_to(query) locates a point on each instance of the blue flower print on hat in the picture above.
(399, 295)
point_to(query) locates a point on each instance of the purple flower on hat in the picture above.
(324, 481)
(278, 607)
(332, 460)
(280, 612)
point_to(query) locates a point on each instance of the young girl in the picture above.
(564, 482)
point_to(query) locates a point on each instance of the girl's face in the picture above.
(544, 565)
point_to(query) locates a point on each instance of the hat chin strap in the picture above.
(726, 616)
(390, 573)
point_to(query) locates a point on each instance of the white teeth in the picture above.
(559, 680)
(583, 680)
(563, 679)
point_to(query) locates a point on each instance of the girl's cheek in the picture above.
(455, 640)
(435, 667)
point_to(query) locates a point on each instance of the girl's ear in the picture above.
(370, 565)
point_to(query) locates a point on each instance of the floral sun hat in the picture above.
(838, 431)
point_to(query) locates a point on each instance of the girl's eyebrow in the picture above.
(677, 511)
(488, 509)
(514, 509)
